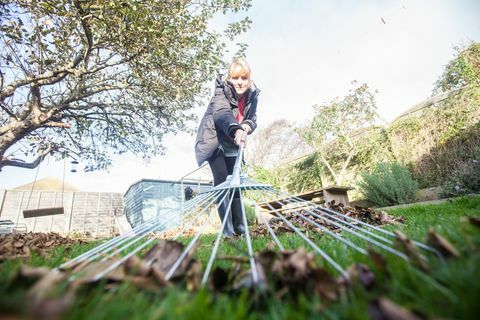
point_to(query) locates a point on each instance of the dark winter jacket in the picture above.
(218, 125)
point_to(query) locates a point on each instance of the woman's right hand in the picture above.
(240, 137)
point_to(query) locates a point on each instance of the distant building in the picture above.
(91, 213)
(149, 198)
(97, 214)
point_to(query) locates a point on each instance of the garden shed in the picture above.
(151, 198)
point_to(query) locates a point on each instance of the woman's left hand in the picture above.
(246, 128)
(240, 137)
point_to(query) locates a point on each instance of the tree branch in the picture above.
(57, 124)
(7, 110)
(28, 165)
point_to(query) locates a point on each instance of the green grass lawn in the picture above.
(450, 290)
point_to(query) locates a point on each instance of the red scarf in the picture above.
(241, 109)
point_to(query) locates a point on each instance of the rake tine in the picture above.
(190, 245)
(124, 237)
(217, 241)
(335, 265)
(329, 212)
(270, 230)
(333, 234)
(124, 258)
(249, 242)
(212, 199)
(381, 245)
(391, 234)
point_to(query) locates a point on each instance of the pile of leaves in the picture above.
(367, 215)
(21, 245)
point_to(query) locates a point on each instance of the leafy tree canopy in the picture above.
(92, 78)
(463, 70)
(336, 122)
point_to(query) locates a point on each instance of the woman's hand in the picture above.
(240, 137)
(246, 128)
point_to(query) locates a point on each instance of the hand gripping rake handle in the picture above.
(237, 167)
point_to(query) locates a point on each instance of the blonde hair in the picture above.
(239, 67)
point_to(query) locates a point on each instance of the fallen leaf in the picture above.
(411, 250)
(90, 272)
(378, 260)
(194, 275)
(50, 308)
(159, 275)
(325, 285)
(45, 286)
(266, 258)
(475, 221)
(164, 255)
(136, 266)
(360, 273)
(219, 279)
(144, 283)
(441, 244)
(384, 309)
(32, 272)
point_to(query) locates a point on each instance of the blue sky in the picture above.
(308, 52)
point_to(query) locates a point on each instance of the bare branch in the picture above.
(28, 165)
(7, 110)
(57, 124)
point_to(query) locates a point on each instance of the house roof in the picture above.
(48, 184)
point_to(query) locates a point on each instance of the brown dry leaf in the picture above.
(361, 274)
(384, 309)
(18, 244)
(299, 262)
(385, 218)
(378, 260)
(441, 244)
(293, 265)
(159, 275)
(136, 266)
(53, 308)
(266, 258)
(45, 286)
(145, 283)
(219, 279)
(194, 275)
(325, 285)
(29, 272)
(411, 250)
(89, 273)
(271, 245)
(475, 221)
(164, 254)
(49, 243)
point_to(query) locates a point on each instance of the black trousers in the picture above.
(221, 167)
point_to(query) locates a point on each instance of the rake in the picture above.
(194, 211)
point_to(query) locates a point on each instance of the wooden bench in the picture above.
(319, 196)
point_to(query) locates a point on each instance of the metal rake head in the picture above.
(195, 211)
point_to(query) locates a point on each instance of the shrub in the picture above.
(388, 184)
(465, 180)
